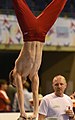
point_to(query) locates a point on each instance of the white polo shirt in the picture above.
(53, 106)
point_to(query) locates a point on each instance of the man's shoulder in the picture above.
(67, 96)
(48, 96)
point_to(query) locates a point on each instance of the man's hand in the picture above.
(70, 113)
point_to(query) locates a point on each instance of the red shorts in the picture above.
(36, 28)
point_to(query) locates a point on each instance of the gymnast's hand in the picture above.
(33, 117)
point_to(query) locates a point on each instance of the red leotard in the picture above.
(36, 28)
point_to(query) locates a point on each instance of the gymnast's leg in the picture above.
(47, 18)
(25, 17)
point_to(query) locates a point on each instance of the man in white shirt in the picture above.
(57, 104)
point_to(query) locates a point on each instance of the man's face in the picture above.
(59, 85)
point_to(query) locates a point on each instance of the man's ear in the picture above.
(66, 85)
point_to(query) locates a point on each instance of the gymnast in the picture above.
(34, 30)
